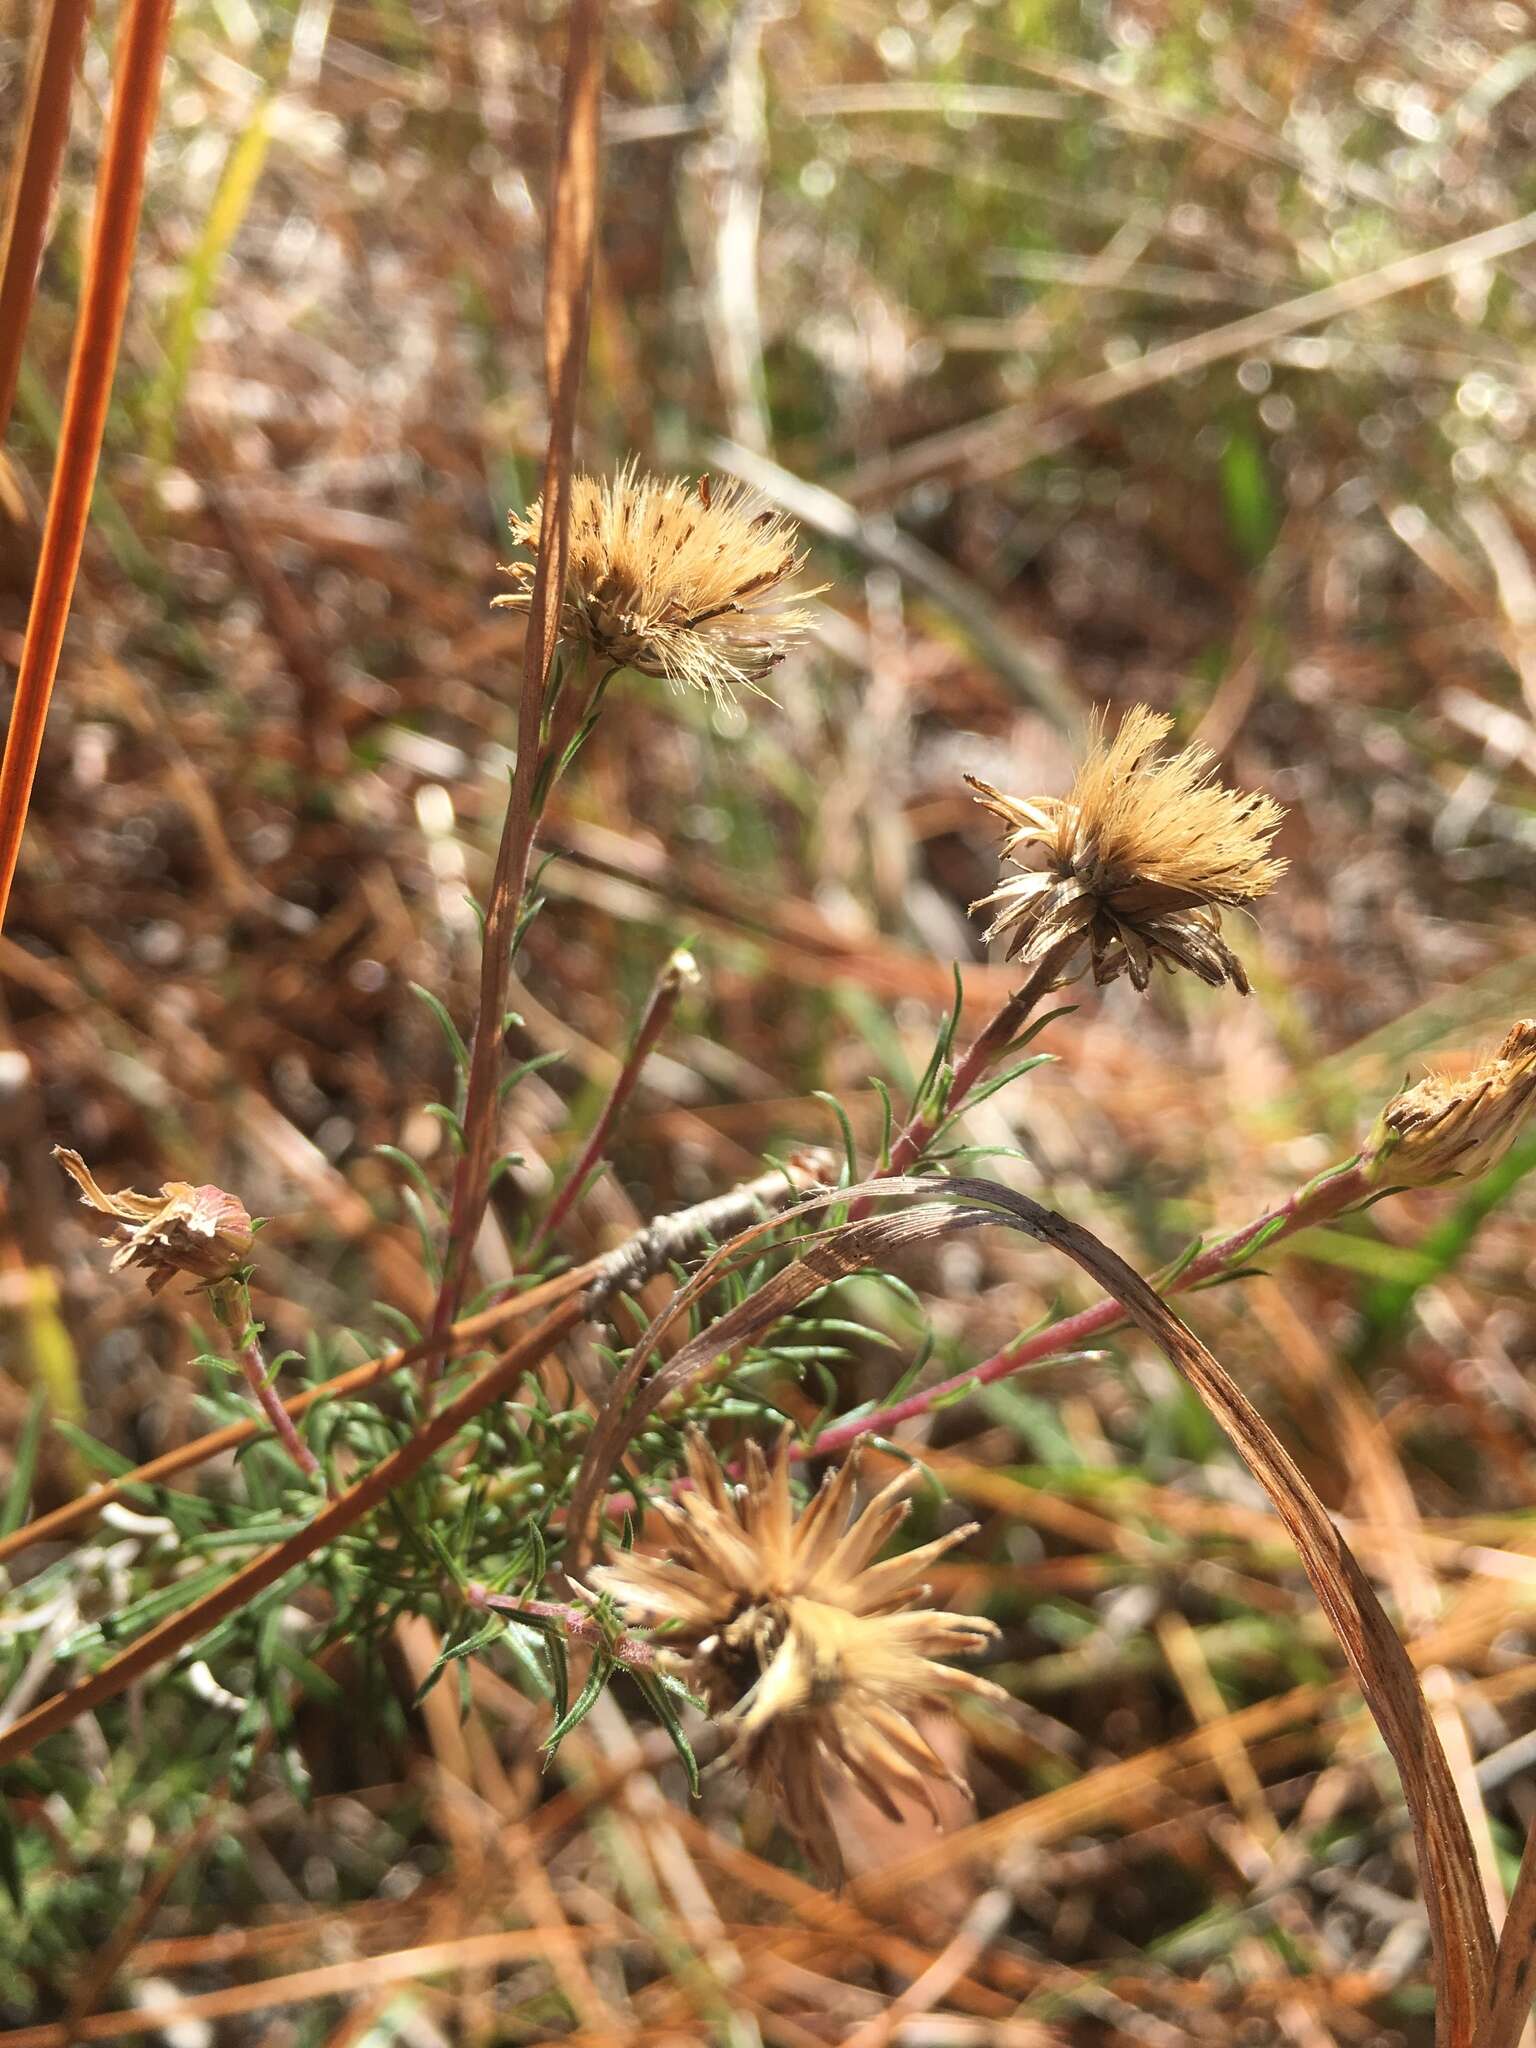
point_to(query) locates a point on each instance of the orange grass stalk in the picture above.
(98, 332)
(35, 176)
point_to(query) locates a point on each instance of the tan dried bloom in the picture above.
(1456, 1125)
(675, 580)
(815, 1657)
(203, 1232)
(1138, 858)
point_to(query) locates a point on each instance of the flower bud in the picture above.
(1451, 1126)
(202, 1232)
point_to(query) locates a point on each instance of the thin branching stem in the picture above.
(1320, 1200)
(985, 1050)
(231, 1302)
(638, 1653)
(629, 1265)
(666, 991)
(569, 247)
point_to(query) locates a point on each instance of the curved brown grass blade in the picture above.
(1460, 1931)
(140, 58)
(1514, 1970)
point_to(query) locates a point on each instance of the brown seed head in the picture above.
(1137, 859)
(814, 1656)
(202, 1232)
(1456, 1126)
(675, 581)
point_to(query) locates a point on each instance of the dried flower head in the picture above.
(675, 580)
(1450, 1125)
(203, 1232)
(814, 1656)
(1138, 857)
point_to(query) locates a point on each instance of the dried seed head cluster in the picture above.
(815, 1656)
(1138, 858)
(202, 1232)
(1456, 1125)
(675, 580)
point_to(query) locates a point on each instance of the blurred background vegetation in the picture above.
(1011, 304)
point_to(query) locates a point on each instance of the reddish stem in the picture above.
(232, 1305)
(1327, 1196)
(988, 1046)
(569, 246)
(580, 1626)
(678, 974)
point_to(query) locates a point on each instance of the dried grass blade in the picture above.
(1514, 1970)
(45, 131)
(1461, 1934)
(569, 247)
(996, 444)
(140, 55)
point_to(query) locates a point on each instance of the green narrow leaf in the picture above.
(452, 1652)
(456, 1046)
(113, 1463)
(656, 1689)
(850, 1149)
(887, 1120)
(19, 1492)
(1181, 1265)
(414, 1170)
(591, 1693)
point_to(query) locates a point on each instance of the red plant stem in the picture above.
(34, 178)
(232, 1305)
(1327, 1196)
(580, 1626)
(678, 973)
(140, 56)
(988, 1046)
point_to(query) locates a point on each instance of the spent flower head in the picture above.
(1135, 861)
(1456, 1125)
(814, 1657)
(680, 580)
(203, 1232)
